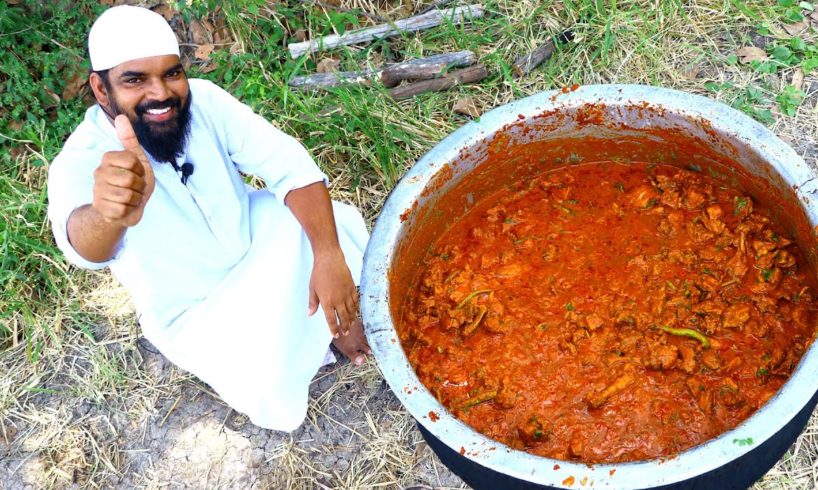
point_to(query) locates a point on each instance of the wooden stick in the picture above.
(334, 79)
(425, 68)
(526, 63)
(391, 75)
(451, 79)
(411, 24)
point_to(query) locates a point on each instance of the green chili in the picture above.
(478, 399)
(687, 332)
(471, 296)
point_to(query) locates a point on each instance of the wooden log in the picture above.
(425, 68)
(411, 24)
(391, 75)
(334, 79)
(526, 63)
(452, 79)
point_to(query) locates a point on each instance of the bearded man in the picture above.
(226, 280)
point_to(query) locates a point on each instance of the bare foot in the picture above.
(354, 345)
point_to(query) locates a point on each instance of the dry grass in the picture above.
(100, 408)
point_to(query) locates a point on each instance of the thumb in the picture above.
(313, 306)
(126, 135)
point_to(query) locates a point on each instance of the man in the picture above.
(226, 280)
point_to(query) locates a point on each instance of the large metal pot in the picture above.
(591, 123)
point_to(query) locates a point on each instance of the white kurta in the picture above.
(219, 273)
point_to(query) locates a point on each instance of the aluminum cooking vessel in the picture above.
(591, 123)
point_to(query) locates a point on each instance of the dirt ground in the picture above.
(356, 436)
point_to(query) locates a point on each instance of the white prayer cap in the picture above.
(128, 33)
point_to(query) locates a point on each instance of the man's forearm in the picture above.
(92, 236)
(312, 207)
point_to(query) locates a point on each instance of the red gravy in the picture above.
(606, 312)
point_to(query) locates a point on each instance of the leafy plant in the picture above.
(789, 100)
(750, 100)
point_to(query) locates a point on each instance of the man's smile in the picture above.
(159, 115)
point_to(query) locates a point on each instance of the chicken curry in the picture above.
(607, 312)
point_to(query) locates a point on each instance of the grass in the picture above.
(79, 393)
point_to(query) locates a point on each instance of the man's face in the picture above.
(155, 95)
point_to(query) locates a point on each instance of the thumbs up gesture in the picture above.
(124, 180)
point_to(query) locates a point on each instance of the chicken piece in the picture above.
(509, 271)
(663, 357)
(630, 343)
(684, 258)
(576, 447)
(594, 321)
(644, 196)
(712, 254)
(728, 394)
(708, 282)
(507, 396)
(532, 431)
(737, 266)
(712, 324)
(596, 400)
(763, 248)
(758, 329)
(549, 253)
(787, 363)
(711, 359)
(702, 395)
(489, 260)
(694, 198)
(711, 219)
(710, 307)
(671, 198)
(495, 214)
(568, 347)
(736, 316)
(714, 211)
(495, 324)
(765, 304)
(799, 316)
(731, 365)
(457, 317)
(578, 335)
(688, 356)
(478, 314)
(713, 225)
(784, 259)
(625, 319)
(767, 279)
(666, 228)
(742, 207)
(765, 261)
(676, 219)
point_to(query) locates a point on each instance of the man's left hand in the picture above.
(332, 287)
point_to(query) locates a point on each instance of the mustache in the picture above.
(173, 102)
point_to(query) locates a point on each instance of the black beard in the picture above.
(165, 141)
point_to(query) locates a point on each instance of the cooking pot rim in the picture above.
(422, 405)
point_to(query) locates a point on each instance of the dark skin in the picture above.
(124, 182)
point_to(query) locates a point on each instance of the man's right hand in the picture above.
(124, 180)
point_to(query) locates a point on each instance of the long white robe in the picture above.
(219, 273)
